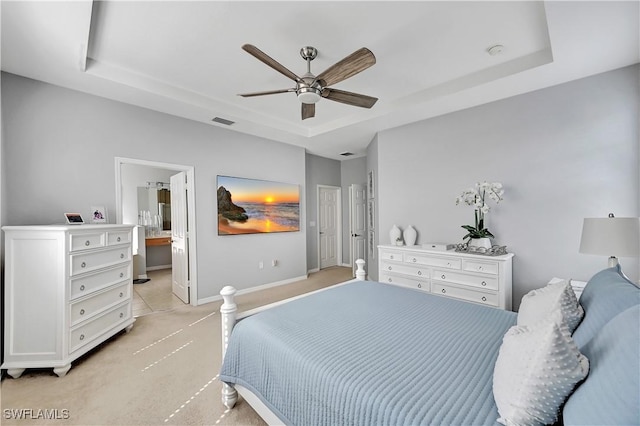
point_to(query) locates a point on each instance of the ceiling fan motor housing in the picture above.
(309, 90)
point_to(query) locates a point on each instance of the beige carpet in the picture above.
(164, 372)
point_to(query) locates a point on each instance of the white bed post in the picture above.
(228, 313)
(361, 274)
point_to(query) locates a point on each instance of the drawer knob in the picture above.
(414, 260)
(419, 285)
(419, 272)
(81, 311)
(118, 239)
(121, 294)
(444, 291)
(484, 299)
(390, 280)
(82, 287)
(83, 265)
(87, 243)
(443, 276)
(479, 268)
(391, 257)
(448, 263)
(121, 255)
(121, 274)
(82, 337)
(390, 268)
(121, 314)
(484, 283)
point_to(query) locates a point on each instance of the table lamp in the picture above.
(611, 236)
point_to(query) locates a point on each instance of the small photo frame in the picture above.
(371, 185)
(98, 214)
(74, 218)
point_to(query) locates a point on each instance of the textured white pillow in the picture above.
(540, 303)
(536, 370)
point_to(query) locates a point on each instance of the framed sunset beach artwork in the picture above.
(251, 206)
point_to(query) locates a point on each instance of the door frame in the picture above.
(338, 224)
(191, 211)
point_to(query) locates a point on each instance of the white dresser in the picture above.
(68, 288)
(475, 278)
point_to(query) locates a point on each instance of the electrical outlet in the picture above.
(260, 265)
(274, 262)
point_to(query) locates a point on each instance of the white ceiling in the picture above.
(185, 58)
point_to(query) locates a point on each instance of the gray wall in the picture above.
(352, 172)
(319, 171)
(59, 155)
(563, 153)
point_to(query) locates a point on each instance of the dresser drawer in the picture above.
(405, 282)
(465, 294)
(391, 255)
(484, 267)
(490, 283)
(86, 262)
(415, 271)
(440, 262)
(86, 241)
(90, 283)
(86, 333)
(118, 237)
(100, 302)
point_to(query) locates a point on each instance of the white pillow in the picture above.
(540, 303)
(536, 370)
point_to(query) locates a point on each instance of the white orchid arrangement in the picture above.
(477, 197)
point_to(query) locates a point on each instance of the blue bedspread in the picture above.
(367, 353)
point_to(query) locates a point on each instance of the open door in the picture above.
(179, 237)
(357, 223)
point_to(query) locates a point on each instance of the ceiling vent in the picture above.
(346, 154)
(223, 121)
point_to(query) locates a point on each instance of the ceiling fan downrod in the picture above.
(309, 90)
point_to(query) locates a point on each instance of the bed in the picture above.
(369, 353)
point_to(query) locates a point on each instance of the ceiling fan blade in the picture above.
(261, 56)
(308, 111)
(268, 92)
(349, 98)
(358, 61)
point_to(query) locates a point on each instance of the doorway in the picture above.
(181, 239)
(329, 226)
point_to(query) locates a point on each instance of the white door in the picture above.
(358, 223)
(179, 237)
(328, 226)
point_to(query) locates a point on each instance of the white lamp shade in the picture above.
(611, 236)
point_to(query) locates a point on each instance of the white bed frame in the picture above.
(230, 315)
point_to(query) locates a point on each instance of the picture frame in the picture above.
(99, 214)
(371, 185)
(371, 215)
(255, 206)
(372, 244)
(74, 218)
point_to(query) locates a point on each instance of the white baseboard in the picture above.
(158, 267)
(314, 270)
(141, 277)
(254, 289)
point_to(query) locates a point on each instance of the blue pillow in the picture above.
(611, 393)
(606, 295)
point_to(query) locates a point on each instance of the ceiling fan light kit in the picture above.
(310, 88)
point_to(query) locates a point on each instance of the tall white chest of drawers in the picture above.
(67, 289)
(475, 278)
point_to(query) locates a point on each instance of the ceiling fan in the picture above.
(310, 88)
